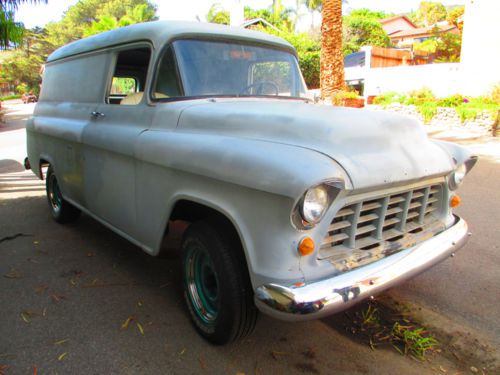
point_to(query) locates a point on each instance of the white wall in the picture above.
(442, 79)
(480, 57)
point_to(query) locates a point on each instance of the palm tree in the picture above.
(314, 6)
(332, 59)
(11, 32)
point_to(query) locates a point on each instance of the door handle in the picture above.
(96, 114)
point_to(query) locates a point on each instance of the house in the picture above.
(403, 32)
(395, 24)
(405, 38)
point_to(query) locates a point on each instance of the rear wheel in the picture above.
(217, 287)
(61, 210)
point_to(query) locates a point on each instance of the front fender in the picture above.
(262, 165)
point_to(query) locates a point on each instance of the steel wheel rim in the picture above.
(202, 285)
(54, 194)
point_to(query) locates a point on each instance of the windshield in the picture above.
(209, 68)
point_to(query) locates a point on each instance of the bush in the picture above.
(22, 88)
(452, 101)
(390, 97)
(428, 110)
(8, 97)
(421, 96)
(339, 97)
(309, 65)
(495, 94)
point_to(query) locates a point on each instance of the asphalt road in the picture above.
(66, 292)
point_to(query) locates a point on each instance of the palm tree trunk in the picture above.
(332, 59)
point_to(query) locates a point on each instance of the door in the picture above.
(110, 138)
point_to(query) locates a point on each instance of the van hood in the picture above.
(374, 148)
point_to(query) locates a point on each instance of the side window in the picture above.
(129, 77)
(167, 84)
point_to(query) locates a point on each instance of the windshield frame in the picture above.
(180, 74)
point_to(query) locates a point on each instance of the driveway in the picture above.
(78, 299)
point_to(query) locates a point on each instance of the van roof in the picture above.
(160, 32)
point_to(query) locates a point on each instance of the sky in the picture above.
(191, 10)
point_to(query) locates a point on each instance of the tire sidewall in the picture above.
(222, 330)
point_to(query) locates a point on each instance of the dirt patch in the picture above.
(386, 324)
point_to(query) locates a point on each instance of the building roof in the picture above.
(161, 32)
(421, 31)
(390, 19)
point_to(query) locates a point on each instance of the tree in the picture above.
(314, 6)
(444, 47)
(217, 14)
(79, 19)
(11, 32)
(455, 17)
(332, 60)
(362, 29)
(429, 13)
(23, 68)
(140, 13)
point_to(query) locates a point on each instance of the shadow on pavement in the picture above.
(72, 288)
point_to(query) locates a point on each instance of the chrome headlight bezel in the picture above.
(314, 204)
(456, 178)
(322, 195)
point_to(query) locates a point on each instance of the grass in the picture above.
(416, 341)
(379, 325)
(8, 97)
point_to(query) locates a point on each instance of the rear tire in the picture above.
(61, 210)
(217, 287)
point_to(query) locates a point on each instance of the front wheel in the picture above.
(61, 210)
(216, 284)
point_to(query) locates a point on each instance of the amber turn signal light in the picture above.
(455, 201)
(306, 246)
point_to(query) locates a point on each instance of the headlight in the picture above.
(315, 204)
(457, 177)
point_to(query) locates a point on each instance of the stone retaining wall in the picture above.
(445, 117)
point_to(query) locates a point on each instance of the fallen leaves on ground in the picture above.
(182, 351)
(3, 369)
(141, 330)
(57, 297)
(41, 288)
(126, 323)
(202, 363)
(61, 341)
(61, 357)
(276, 355)
(26, 315)
(13, 274)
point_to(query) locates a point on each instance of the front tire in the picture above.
(61, 210)
(217, 287)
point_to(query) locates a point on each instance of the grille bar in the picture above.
(377, 222)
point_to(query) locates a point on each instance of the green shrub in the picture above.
(8, 97)
(22, 88)
(389, 97)
(428, 110)
(495, 94)
(452, 101)
(339, 96)
(420, 96)
(309, 65)
(466, 113)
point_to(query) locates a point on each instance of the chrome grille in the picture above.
(381, 223)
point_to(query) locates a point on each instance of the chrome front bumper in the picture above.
(326, 297)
